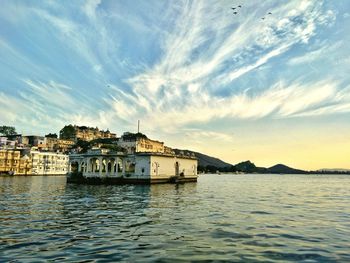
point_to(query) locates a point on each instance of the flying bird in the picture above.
(239, 6)
(263, 18)
(233, 8)
(269, 13)
(235, 13)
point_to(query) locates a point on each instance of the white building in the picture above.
(49, 163)
(137, 142)
(6, 143)
(101, 166)
(3, 140)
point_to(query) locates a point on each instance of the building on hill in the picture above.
(13, 140)
(27, 141)
(32, 140)
(51, 143)
(6, 143)
(84, 133)
(24, 141)
(168, 150)
(64, 145)
(60, 145)
(138, 142)
(14, 137)
(3, 141)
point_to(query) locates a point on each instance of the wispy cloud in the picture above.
(51, 93)
(90, 8)
(200, 64)
(202, 136)
(318, 53)
(196, 62)
(27, 114)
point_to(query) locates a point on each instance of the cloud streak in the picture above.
(201, 64)
(181, 88)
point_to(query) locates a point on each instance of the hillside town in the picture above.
(91, 153)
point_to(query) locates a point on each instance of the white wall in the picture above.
(164, 166)
(143, 164)
(156, 166)
(49, 163)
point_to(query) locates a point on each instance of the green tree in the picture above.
(7, 130)
(84, 145)
(51, 135)
(67, 132)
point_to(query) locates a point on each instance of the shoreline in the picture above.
(29, 175)
(223, 173)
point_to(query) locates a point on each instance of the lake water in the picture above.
(248, 218)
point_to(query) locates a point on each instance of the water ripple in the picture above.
(221, 218)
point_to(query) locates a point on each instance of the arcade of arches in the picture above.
(97, 165)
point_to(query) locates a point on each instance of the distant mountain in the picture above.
(211, 164)
(205, 160)
(284, 169)
(248, 167)
(341, 170)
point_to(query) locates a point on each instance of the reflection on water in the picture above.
(222, 217)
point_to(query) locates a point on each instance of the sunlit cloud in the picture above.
(200, 136)
(178, 91)
(173, 65)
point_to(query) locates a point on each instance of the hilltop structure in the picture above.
(58, 145)
(75, 133)
(95, 156)
(41, 143)
(138, 142)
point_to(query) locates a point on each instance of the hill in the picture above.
(205, 160)
(332, 170)
(248, 167)
(284, 169)
(211, 164)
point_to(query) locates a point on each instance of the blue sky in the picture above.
(196, 75)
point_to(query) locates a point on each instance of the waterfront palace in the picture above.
(131, 158)
(141, 161)
(98, 165)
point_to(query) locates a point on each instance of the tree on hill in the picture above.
(128, 136)
(7, 130)
(105, 140)
(67, 132)
(246, 166)
(211, 168)
(51, 135)
(84, 145)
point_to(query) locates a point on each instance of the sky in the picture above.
(196, 75)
